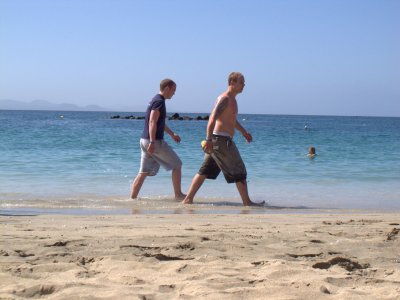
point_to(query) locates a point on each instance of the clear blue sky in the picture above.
(338, 57)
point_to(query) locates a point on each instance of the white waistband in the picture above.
(222, 133)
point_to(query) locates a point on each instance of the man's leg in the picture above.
(176, 183)
(244, 194)
(137, 184)
(194, 187)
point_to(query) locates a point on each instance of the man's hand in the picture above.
(248, 137)
(208, 147)
(176, 137)
(151, 148)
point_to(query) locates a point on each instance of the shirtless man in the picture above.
(221, 151)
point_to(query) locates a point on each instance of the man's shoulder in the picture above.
(157, 101)
(223, 98)
(158, 97)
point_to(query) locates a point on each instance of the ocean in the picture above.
(86, 161)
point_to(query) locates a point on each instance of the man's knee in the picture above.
(242, 181)
(143, 175)
(177, 168)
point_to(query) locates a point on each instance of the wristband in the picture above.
(152, 142)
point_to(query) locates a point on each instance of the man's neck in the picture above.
(231, 93)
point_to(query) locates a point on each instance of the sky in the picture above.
(301, 57)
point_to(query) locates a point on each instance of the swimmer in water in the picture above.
(311, 152)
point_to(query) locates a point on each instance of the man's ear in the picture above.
(165, 90)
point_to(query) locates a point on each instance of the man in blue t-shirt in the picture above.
(155, 151)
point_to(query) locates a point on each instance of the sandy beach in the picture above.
(183, 256)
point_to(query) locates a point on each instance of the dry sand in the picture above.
(270, 256)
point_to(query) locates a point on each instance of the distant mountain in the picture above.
(45, 105)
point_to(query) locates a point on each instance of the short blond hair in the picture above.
(234, 76)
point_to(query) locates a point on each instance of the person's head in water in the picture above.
(311, 152)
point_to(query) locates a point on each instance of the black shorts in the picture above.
(226, 157)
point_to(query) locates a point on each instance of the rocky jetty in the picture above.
(175, 116)
(127, 117)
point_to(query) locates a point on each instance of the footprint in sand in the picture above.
(36, 291)
(22, 253)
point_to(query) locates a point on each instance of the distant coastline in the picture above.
(43, 105)
(46, 105)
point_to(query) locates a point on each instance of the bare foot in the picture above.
(187, 201)
(180, 197)
(251, 203)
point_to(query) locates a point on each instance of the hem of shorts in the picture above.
(148, 173)
(208, 176)
(236, 180)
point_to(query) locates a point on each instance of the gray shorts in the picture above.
(225, 157)
(163, 155)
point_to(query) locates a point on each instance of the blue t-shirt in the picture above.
(157, 103)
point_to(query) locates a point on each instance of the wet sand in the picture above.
(201, 256)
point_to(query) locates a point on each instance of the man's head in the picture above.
(236, 81)
(167, 88)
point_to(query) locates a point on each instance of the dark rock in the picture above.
(392, 234)
(345, 263)
(175, 116)
(322, 265)
(200, 118)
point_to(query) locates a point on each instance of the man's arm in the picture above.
(217, 111)
(172, 134)
(243, 131)
(154, 115)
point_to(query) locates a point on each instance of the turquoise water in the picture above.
(87, 160)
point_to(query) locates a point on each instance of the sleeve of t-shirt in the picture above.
(157, 105)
